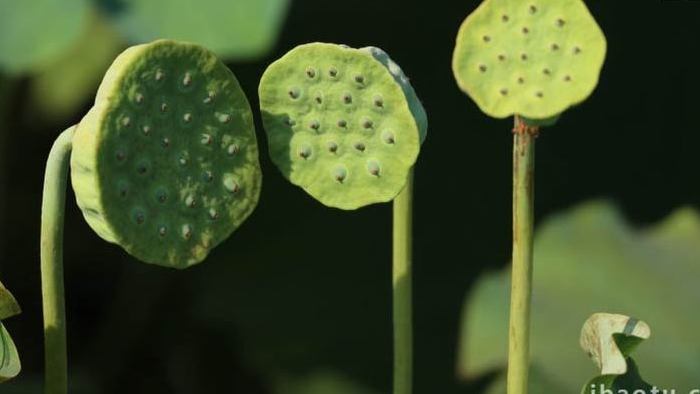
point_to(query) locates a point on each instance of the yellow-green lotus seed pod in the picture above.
(530, 58)
(342, 123)
(165, 164)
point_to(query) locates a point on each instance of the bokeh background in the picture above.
(301, 293)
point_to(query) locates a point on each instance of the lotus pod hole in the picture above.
(154, 160)
(342, 123)
(530, 58)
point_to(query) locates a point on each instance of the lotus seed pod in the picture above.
(165, 163)
(342, 123)
(10, 364)
(530, 58)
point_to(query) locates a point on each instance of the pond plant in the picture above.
(346, 126)
(165, 165)
(10, 365)
(531, 60)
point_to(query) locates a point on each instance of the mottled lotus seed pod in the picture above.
(530, 58)
(342, 123)
(165, 164)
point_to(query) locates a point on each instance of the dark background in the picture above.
(300, 286)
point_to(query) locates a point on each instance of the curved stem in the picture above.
(521, 278)
(402, 284)
(52, 213)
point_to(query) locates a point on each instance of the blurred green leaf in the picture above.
(240, 29)
(324, 382)
(8, 304)
(61, 87)
(9, 359)
(586, 260)
(35, 33)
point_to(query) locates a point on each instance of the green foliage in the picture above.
(609, 340)
(589, 259)
(60, 87)
(533, 59)
(34, 33)
(166, 162)
(339, 124)
(9, 358)
(238, 29)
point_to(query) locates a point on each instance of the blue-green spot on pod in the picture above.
(165, 164)
(529, 58)
(342, 123)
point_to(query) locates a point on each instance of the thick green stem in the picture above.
(52, 213)
(402, 283)
(521, 278)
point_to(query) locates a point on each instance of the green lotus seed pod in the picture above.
(531, 58)
(165, 163)
(342, 123)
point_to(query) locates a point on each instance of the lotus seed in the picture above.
(232, 149)
(567, 78)
(502, 57)
(139, 218)
(523, 56)
(486, 38)
(162, 231)
(555, 47)
(340, 173)
(504, 92)
(315, 125)
(294, 94)
(342, 123)
(333, 72)
(187, 117)
(310, 72)
(139, 98)
(305, 152)
(319, 100)
(190, 201)
(159, 75)
(360, 146)
(482, 68)
(561, 22)
(187, 80)
(373, 167)
(162, 196)
(213, 215)
(378, 102)
(289, 122)
(505, 18)
(533, 9)
(121, 156)
(166, 142)
(332, 147)
(547, 71)
(359, 79)
(186, 231)
(126, 121)
(206, 139)
(347, 98)
(164, 107)
(521, 80)
(388, 137)
(209, 98)
(207, 176)
(142, 168)
(577, 50)
(231, 185)
(146, 129)
(224, 118)
(526, 30)
(539, 94)
(367, 124)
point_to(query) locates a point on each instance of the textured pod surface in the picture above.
(166, 163)
(531, 58)
(339, 123)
